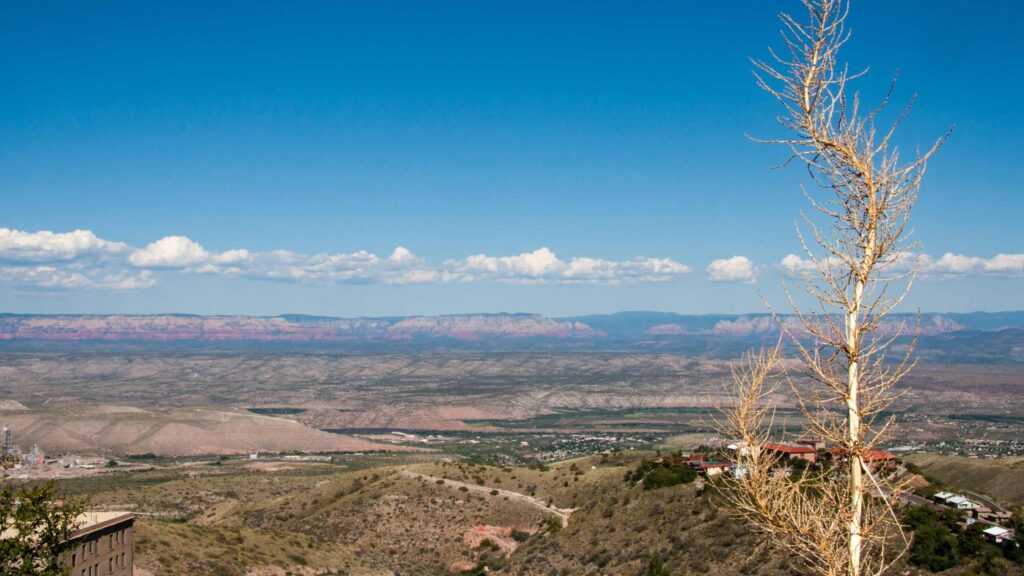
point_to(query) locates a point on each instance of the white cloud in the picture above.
(950, 265)
(959, 265)
(46, 246)
(543, 266)
(171, 252)
(953, 264)
(735, 269)
(1005, 263)
(233, 257)
(797, 266)
(79, 260)
(401, 254)
(50, 278)
(362, 267)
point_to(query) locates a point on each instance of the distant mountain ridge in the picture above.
(635, 324)
(943, 338)
(287, 328)
(623, 326)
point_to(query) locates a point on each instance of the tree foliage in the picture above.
(940, 543)
(656, 476)
(36, 525)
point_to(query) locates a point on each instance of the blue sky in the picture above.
(340, 131)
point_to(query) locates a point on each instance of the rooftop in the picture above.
(958, 500)
(87, 522)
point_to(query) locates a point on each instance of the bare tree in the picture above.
(859, 267)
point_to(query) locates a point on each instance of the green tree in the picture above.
(665, 476)
(36, 524)
(934, 547)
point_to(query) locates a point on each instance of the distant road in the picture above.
(562, 514)
(995, 506)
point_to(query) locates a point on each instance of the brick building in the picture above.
(101, 546)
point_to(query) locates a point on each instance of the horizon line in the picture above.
(503, 313)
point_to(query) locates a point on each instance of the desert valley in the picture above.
(322, 447)
(449, 288)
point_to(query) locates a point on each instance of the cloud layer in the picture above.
(80, 260)
(950, 265)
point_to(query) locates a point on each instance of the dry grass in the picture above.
(1000, 478)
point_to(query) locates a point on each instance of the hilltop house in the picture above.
(711, 469)
(998, 534)
(791, 452)
(960, 503)
(956, 501)
(874, 459)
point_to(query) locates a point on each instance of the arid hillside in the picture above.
(579, 517)
(174, 432)
(1001, 478)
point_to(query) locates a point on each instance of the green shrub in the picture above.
(656, 568)
(665, 476)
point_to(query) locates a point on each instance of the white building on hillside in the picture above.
(961, 503)
(997, 534)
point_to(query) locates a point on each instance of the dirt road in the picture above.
(562, 514)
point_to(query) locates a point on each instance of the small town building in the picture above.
(995, 515)
(874, 459)
(816, 443)
(791, 452)
(960, 503)
(879, 459)
(711, 469)
(997, 534)
(102, 545)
